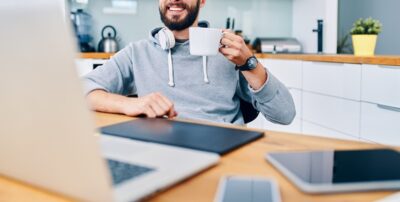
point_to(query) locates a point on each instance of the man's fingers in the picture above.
(149, 112)
(170, 106)
(231, 36)
(165, 102)
(229, 43)
(157, 105)
(158, 109)
(164, 106)
(171, 113)
(230, 52)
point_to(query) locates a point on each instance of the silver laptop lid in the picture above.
(46, 133)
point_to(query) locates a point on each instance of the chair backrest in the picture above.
(248, 111)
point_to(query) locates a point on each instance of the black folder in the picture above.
(182, 134)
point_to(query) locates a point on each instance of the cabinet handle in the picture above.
(388, 67)
(390, 108)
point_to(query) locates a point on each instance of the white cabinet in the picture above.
(380, 124)
(84, 66)
(340, 114)
(380, 111)
(345, 101)
(335, 79)
(295, 126)
(317, 130)
(288, 72)
(381, 85)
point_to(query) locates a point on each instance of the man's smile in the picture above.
(176, 9)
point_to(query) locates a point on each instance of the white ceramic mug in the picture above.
(204, 41)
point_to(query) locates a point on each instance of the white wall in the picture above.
(305, 16)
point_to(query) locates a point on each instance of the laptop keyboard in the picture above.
(122, 172)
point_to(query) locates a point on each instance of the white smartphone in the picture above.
(247, 188)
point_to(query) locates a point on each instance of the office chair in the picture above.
(248, 111)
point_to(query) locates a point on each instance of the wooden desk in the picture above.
(248, 160)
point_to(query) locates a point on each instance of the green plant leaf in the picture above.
(366, 26)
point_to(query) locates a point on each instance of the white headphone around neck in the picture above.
(166, 39)
(167, 42)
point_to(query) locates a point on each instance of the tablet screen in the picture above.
(335, 167)
(182, 134)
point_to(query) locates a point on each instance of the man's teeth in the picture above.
(176, 9)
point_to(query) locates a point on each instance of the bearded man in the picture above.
(142, 68)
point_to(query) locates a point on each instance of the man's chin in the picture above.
(176, 18)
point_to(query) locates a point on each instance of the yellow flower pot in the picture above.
(364, 44)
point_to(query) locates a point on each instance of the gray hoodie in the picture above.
(142, 68)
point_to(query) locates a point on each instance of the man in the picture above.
(142, 68)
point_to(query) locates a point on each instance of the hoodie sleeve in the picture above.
(115, 76)
(273, 99)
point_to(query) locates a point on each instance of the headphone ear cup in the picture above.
(162, 39)
(166, 39)
(171, 38)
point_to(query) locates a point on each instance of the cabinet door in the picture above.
(336, 79)
(381, 85)
(331, 112)
(288, 72)
(83, 66)
(380, 124)
(295, 126)
(317, 130)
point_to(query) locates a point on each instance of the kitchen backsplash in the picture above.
(267, 18)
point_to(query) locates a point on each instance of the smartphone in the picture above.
(247, 188)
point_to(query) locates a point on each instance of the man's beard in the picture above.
(174, 24)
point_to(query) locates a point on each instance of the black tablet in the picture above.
(340, 171)
(189, 135)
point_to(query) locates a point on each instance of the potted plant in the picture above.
(364, 35)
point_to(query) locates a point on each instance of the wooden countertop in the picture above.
(247, 160)
(96, 55)
(377, 60)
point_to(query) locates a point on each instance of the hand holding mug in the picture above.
(234, 48)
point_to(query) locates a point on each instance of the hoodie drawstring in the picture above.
(171, 70)
(205, 69)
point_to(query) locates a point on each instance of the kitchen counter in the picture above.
(96, 55)
(377, 60)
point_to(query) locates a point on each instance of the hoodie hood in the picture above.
(154, 36)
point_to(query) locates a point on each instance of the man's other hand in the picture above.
(152, 105)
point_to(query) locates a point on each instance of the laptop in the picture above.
(47, 135)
